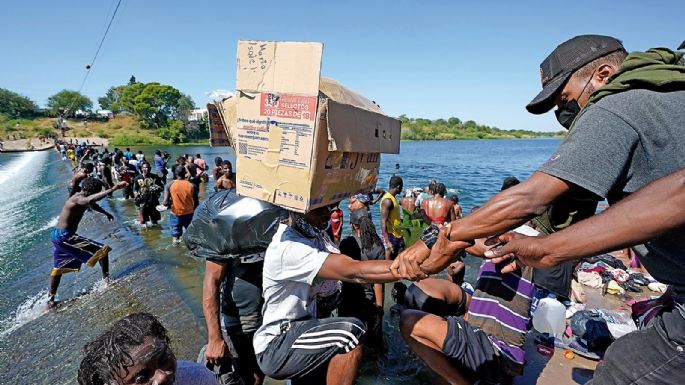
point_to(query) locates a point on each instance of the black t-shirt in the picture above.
(148, 186)
(354, 294)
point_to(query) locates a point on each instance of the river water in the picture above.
(151, 275)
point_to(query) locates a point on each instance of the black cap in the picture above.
(566, 59)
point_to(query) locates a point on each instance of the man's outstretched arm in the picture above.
(504, 211)
(96, 207)
(343, 268)
(644, 215)
(90, 199)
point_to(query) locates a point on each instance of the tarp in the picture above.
(227, 226)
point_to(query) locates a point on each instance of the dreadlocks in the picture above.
(110, 352)
(368, 235)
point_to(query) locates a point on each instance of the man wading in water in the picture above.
(71, 249)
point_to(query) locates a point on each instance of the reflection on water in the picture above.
(152, 275)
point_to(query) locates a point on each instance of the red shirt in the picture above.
(336, 222)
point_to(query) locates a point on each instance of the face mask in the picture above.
(567, 113)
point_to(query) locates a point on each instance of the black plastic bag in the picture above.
(227, 226)
(591, 327)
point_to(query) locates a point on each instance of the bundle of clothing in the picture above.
(610, 274)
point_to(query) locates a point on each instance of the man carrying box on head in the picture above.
(292, 343)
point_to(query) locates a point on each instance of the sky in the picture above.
(426, 59)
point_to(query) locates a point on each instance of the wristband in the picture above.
(430, 235)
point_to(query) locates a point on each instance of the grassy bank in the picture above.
(120, 131)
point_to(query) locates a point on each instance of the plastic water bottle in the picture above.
(550, 317)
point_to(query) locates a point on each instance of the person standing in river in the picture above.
(391, 219)
(72, 250)
(146, 188)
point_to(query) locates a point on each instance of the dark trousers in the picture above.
(655, 355)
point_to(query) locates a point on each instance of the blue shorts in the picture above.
(73, 250)
(178, 223)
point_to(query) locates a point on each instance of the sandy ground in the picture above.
(36, 144)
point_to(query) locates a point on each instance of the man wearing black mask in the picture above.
(627, 129)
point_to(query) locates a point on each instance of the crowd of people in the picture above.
(303, 307)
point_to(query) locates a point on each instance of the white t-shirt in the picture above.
(291, 263)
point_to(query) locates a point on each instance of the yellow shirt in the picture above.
(394, 218)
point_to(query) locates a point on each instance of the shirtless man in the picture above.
(438, 208)
(227, 179)
(71, 249)
(408, 201)
(458, 213)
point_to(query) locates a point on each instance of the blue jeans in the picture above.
(178, 223)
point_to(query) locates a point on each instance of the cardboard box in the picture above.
(303, 141)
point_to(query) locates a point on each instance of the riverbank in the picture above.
(36, 144)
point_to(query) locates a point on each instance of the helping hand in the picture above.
(216, 351)
(518, 249)
(120, 185)
(407, 264)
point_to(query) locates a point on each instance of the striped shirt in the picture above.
(500, 306)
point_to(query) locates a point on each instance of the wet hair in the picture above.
(181, 159)
(615, 59)
(179, 172)
(145, 164)
(218, 161)
(107, 160)
(431, 188)
(91, 185)
(509, 181)
(227, 163)
(440, 189)
(110, 352)
(395, 181)
(89, 167)
(197, 155)
(454, 198)
(158, 152)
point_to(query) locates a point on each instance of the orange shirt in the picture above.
(181, 194)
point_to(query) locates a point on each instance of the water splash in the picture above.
(28, 311)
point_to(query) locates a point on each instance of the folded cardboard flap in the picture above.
(290, 67)
(352, 129)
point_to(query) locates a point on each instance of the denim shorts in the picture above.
(177, 223)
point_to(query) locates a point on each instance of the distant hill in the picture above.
(454, 128)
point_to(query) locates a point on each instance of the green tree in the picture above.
(126, 99)
(111, 99)
(173, 131)
(156, 104)
(454, 121)
(69, 101)
(14, 105)
(184, 108)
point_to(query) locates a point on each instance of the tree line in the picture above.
(157, 106)
(454, 128)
